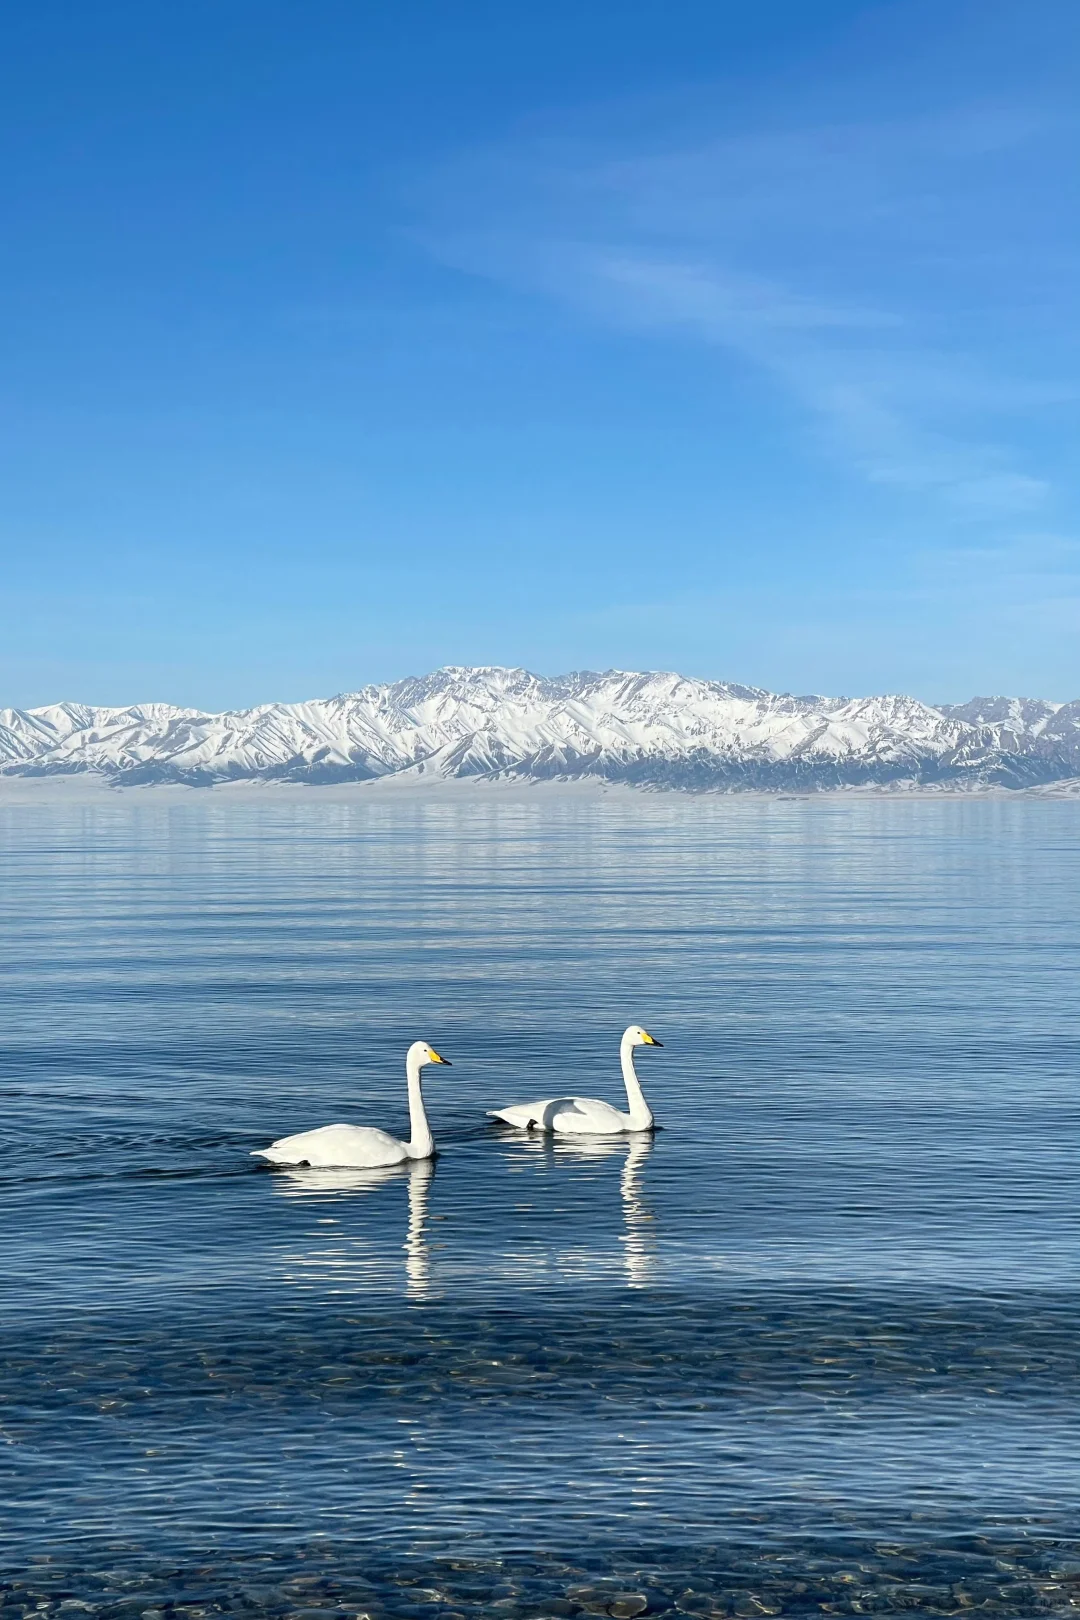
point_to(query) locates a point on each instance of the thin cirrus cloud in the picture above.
(883, 275)
(868, 404)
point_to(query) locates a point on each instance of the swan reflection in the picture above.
(638, 1237)
(351, 1262)
(302, 1182)
(417, 1248)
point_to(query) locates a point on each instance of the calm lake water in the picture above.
(815, 1348)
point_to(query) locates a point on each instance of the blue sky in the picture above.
(344, 340)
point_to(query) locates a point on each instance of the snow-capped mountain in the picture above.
(649, 729)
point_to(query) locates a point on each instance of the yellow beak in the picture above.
(435, 1058)
(650, 1040)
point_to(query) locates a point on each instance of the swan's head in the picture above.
(640, 1037)
(420, 1053)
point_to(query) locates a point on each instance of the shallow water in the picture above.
(814, 1348)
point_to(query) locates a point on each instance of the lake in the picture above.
(814, 1348)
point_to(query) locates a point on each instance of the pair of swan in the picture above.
(364, 1147)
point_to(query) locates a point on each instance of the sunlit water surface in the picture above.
(814, 1347)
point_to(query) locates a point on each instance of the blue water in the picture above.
(814, 1349)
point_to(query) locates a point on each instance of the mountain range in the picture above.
(655, 730)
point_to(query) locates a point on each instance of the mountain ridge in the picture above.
(645, 728)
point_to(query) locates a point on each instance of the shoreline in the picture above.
(84, 788)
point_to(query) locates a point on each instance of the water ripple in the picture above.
(812, 1350)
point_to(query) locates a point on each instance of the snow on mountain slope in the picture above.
(1025, 716)
(652, 729)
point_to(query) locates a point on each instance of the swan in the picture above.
(364, 1147)
(588, 1116)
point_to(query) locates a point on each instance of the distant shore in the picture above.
(87, 788)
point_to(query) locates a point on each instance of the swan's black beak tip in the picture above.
(658, 1043)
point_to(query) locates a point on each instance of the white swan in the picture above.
(364, 1147)
(588, 1116)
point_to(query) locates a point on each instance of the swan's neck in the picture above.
(641, 1117)
(421, 1144)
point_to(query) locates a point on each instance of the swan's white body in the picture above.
(363, 1147)
(589, 1116)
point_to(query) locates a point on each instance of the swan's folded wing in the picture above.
(587, 1116)
(337, 1146)
(526, 1115)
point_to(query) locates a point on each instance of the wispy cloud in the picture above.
(721, 304)
(847, 262)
